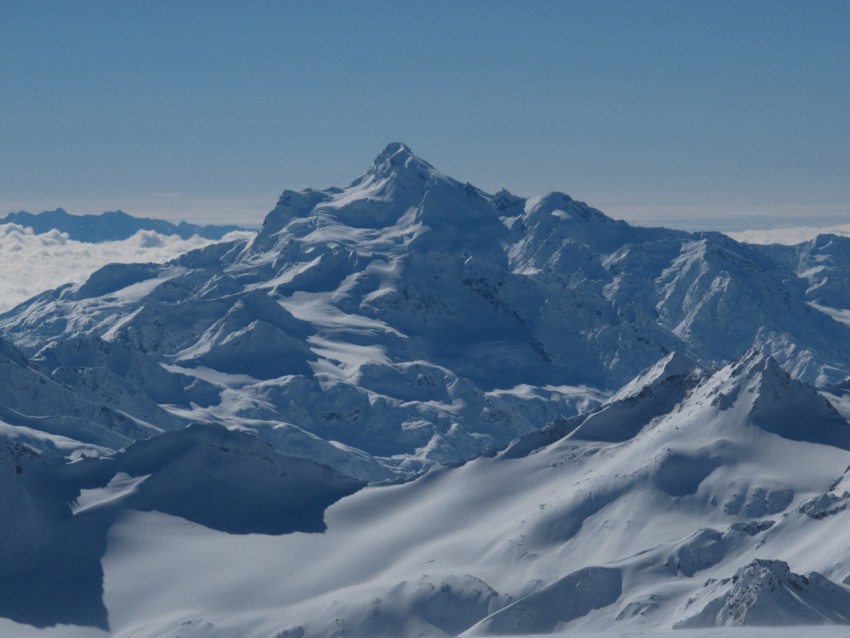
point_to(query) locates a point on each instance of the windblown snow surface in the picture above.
(411, 408)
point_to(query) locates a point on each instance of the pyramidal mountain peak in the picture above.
(766, 592)
(398, 159)
(400, 190)
(785, 406)
(396, 173)
(673, 364)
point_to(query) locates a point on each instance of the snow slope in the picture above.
(101, 408)
(681, 524)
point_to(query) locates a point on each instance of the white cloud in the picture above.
(31, 263)
(788, 236)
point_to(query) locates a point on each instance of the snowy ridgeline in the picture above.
(408, 407)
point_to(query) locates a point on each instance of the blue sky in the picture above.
(716, 114)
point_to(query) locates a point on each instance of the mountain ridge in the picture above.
(110, 226)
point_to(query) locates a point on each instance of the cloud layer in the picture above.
(788, 236)
(34, 263)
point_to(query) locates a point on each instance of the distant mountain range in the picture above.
(109, 226)
(409, 407)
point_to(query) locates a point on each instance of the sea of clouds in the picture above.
(788, 236)
(32, 263)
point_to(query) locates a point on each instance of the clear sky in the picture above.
(720, 113)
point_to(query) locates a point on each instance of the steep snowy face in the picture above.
(653, 393)
(392, 188)
(397, 165)
(36, 576)
(90, 410)
(222, 479)
(400, 204)
(55, 517)
(554, 233)
(784, 406)
(751, 392)
(767, 592)
(823, 262)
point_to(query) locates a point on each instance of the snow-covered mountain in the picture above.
(567, 423)
(110, 226)
(415, 317)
